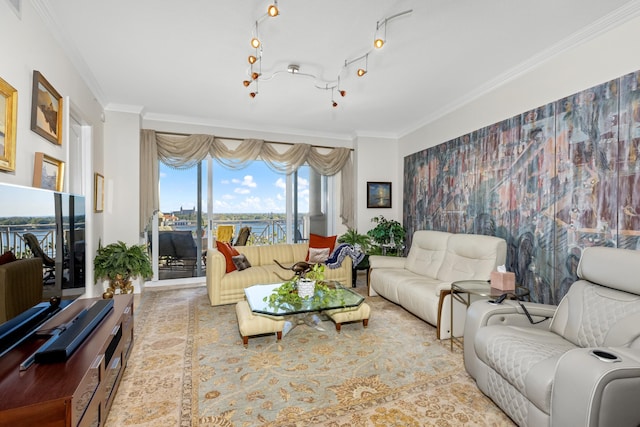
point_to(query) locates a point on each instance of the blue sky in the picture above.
(255, 189)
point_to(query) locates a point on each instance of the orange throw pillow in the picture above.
(318, 242)
(228, 251)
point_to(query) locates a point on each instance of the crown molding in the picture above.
(68, 46)
(608, 22)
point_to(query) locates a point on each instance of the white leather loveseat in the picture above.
(227, 288)
(435, 260)
(580, 366)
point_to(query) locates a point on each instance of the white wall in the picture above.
(603, 58)
(27, 45)
(377, 160)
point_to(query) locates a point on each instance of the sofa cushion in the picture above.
(318, 255)
(7, 257)
(319, 242)
(228, 251)
(427, 252)
(241, 262)
(471, 257)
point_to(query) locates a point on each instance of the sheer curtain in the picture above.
(183, 152)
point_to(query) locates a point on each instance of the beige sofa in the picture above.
(20, 286)
(435, 260)
(227, 288)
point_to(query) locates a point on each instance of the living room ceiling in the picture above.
(186, 60)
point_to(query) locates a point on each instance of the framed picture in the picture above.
(378, 194)
(98, 193)
(8, 121)
(48, 172)
(46, 107)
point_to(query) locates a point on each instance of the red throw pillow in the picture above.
(319, 242)
(7, 257)
(228, 251)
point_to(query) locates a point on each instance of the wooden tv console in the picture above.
(77, 392)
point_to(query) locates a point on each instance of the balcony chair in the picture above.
(48, 263)
(224, 233)
(577, 364)
(243, 236)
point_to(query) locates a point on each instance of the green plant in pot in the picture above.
(355, 239)
(120, 263)
(387, 233)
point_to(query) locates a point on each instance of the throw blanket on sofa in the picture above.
(341, 251)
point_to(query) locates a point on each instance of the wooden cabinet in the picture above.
(77, 392)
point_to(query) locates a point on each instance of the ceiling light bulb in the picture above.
(343, 93)
(255, 75)
(246, 83)
(378, 43)
(272, 10)
(253, 94)
(252, 59)
(255, 43)
(361, 72)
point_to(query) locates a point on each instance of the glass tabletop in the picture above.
(483, 288)
(256, 295)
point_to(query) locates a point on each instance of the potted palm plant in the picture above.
(120, 263)
(355, 239)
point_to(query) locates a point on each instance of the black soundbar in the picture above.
(70, 336)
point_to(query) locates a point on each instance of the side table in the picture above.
(363, 265)
(479, 288)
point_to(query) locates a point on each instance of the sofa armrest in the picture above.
(595, 391)
(20, 286)
(482, 313)
(216, 269)
(380, 261)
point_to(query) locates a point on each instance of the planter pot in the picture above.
(306, 288)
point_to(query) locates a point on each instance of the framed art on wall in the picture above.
(378, 194)
(48, 172)
(98, 193)
(46, 107)
(8, 120)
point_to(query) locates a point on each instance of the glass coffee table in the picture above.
(307, 311)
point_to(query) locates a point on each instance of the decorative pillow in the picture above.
(320, 242)
(7, 257)
(228, 251)
(318, 255)
(241, 262)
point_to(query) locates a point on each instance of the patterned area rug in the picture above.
(189, 368)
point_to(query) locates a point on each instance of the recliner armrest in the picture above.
(594, 391)
(379, 261)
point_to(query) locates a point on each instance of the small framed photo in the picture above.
(46, 107)
(8, 121)
(48, 172)
(98, 193)
(378, 194)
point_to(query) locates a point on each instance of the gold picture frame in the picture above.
(46, 109)
(8, 126)
(98, 193)
(48, 173)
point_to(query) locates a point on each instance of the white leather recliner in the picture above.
(579, 364)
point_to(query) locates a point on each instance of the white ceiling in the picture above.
(186, 59)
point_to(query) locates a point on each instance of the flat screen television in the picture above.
(56, 222)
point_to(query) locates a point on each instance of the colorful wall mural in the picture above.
(550, 181)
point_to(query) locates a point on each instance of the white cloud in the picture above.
(249, 182)
(240, 190)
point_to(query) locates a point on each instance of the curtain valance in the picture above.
(184, 152)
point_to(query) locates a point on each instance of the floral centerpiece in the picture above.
(289, 291)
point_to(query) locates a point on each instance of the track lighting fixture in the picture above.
(272, 10)
(362, 71)
(380, 39)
